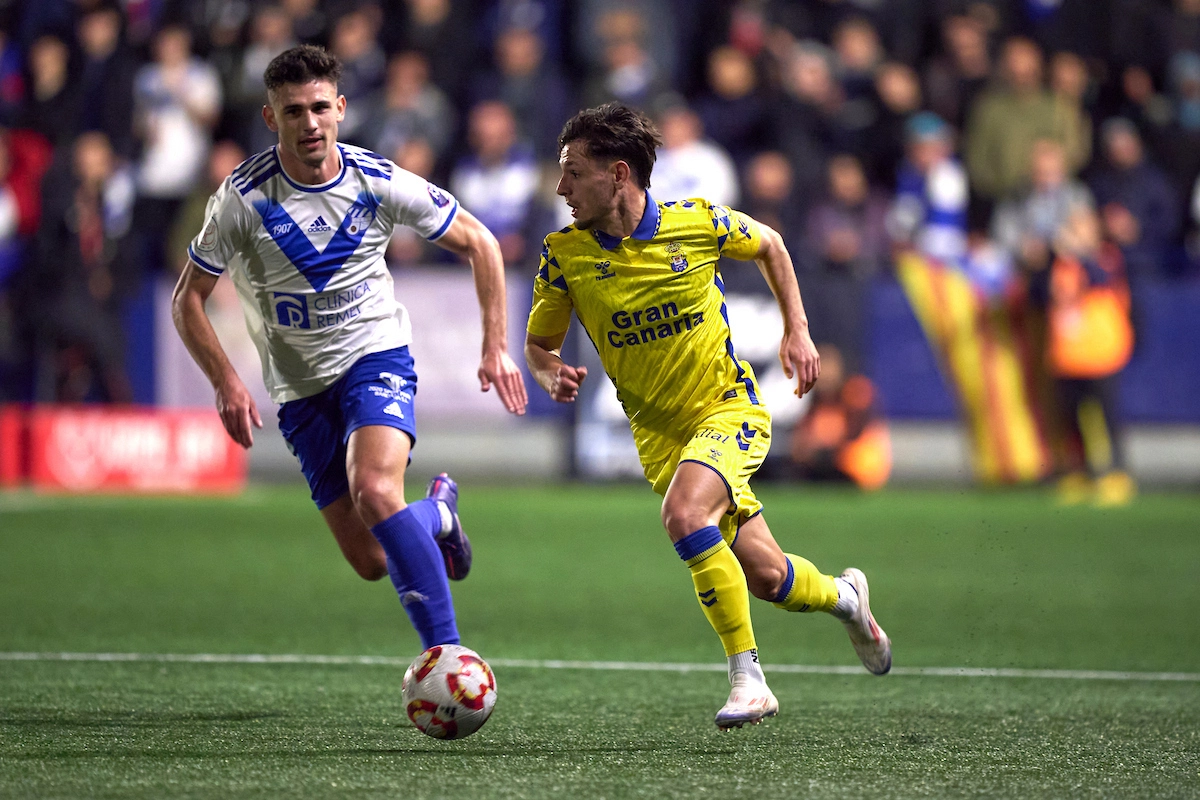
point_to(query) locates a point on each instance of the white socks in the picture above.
(447, 517)
(745, 664)
(847, 602)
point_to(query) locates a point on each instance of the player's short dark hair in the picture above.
(301, 65)
(616, 132)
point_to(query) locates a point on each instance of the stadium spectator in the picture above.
(653, 24)
(53, 105)
(12, 79)
(106, 78)
(354, 41)
(270, 34)
(441, 31)
(534, 88)
(1176, 138)
(498, 180)
(628, 72)
(805, 117)
(1089, 342)
(408, 247)
(177, 99)
(733, 108)
(771, 194)
(842, 438)
(308, 20)
(223, 159)
(689, 165)
(929, 214)
(1139, 209)
(859, 53)
(408, 107)
(899, 93)
(954, 78)
(1007, 119)
(846, 245)
(1027, 225)
(72, 291)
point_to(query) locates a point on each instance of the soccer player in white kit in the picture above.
(302, 229)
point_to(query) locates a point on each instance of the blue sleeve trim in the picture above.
(202, 264)
(445, 225)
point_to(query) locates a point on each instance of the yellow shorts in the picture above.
(732, 442)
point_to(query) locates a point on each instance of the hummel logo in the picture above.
(393, 408)
(709, 598)
(319, 225)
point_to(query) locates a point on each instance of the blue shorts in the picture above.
(378, 389)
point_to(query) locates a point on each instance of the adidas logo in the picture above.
(393, 408)
(319, 225)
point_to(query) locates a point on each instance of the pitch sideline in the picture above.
(630, 666)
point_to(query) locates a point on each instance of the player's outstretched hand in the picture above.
(238, 412)
(565, 386)
(499, 369)
(799, 357)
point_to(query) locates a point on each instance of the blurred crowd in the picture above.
(973, 132)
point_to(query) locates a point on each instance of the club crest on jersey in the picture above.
(604, 267)
(679, 261)
(438, 196)
(358, 220)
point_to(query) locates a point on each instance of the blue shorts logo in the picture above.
(291, 310)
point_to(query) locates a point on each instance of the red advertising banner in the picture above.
(116, 449)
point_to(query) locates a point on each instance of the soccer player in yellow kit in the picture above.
(642, 278)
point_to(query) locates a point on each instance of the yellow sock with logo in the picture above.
(720, 587)
(806, 588)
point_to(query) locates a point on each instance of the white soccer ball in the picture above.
(449, 692)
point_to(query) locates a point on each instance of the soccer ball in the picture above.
(449, 692)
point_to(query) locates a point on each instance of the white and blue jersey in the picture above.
(308, 261)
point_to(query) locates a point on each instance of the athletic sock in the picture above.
(806, 588)
(720, 587)
(418, 571)
(745, 664)
(847, 602)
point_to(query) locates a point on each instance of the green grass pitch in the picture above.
(959, 579)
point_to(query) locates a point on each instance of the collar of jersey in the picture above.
(320, 187)
(644, 231)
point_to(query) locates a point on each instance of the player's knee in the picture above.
(681, 519)
(765, 580)
(377, 495)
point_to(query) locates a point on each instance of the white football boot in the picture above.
(750, 702)
(869, 640)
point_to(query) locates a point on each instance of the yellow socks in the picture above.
(806, 588)
(721, 587)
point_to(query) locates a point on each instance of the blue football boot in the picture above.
(454, 544)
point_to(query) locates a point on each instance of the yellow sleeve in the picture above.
(551, 312)
(738, 235)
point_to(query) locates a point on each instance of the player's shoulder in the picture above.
(253, 172)
(368, 162)
(691, 210)
(566, 239)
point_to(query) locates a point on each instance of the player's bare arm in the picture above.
(560, 380)
(471, 240)
(238, 412)
(797, 353)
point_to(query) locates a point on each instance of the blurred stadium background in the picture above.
(921, 159)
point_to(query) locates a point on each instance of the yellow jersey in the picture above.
(653, 305)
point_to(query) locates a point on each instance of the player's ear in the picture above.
(268, 115)
(620, 171)
(341, 107)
